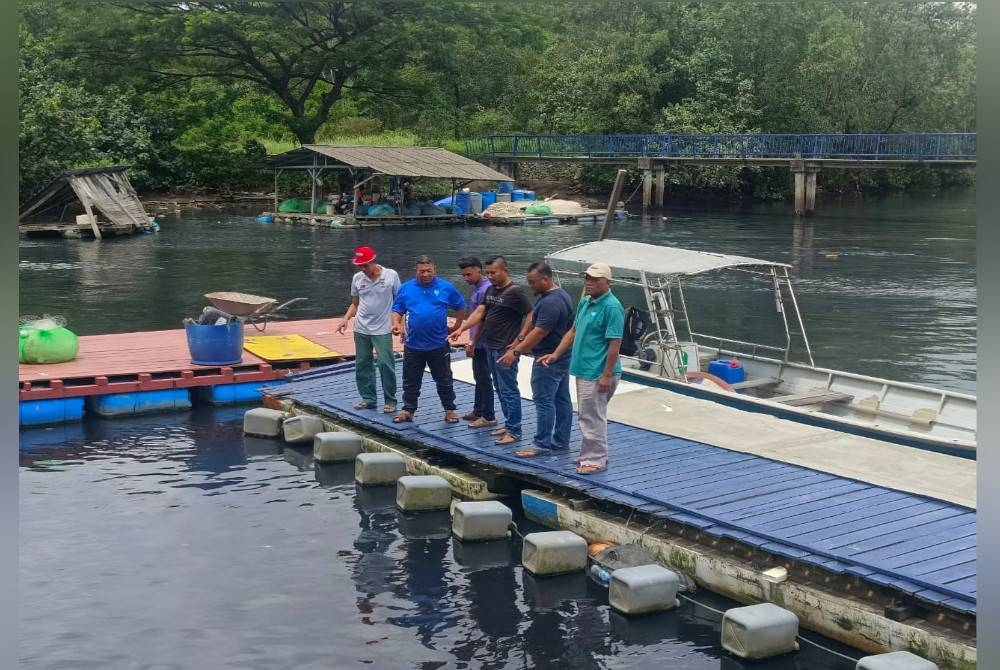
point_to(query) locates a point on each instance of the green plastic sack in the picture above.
(538, 209)
(46, 341)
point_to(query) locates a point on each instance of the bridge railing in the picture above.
(862, 146)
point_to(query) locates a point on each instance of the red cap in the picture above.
(363, 255)
(734, 362)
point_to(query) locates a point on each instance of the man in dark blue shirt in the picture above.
(420, 317)
(551, 318)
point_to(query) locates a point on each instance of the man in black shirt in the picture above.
(503, 313)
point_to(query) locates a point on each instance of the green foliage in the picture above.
(193, 94)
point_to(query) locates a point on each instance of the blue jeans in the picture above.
(505, 380)
(553, 406)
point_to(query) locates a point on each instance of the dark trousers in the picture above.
(439, 362)
(484, 384)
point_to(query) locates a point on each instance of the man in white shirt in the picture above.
(373, 291)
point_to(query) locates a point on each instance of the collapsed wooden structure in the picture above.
(105, 189)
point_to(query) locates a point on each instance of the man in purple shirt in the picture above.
(483, 413)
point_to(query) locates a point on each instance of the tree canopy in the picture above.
(189, 92)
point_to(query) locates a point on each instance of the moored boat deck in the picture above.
(921, 548)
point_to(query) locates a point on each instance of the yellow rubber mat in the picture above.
(286, 348)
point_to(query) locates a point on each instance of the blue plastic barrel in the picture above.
(215, 345)
(489, 197)
(516, 195)
(462, 203)
(505, 187)
(529, 195)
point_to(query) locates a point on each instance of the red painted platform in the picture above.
(159, 359)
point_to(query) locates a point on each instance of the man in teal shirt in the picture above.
(596, 337)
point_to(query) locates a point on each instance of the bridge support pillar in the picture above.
(805, 186)
(660, 195)
(647, 188)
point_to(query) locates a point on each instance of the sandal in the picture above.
(480, 422)
(529, 453)
(403, 417)
(590, 469)
(498, 431)
(507, 438)
(361, 404)
(450, 416)
(389, 408)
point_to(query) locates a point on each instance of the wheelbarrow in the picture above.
(252, 309)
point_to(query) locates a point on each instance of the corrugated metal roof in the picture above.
(394, 161)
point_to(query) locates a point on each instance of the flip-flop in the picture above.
(506, 439)
(389, 408)
(361, 404)
(403, 417)
(498, 431)
(450, 416)
(529, 453)
(590, 469)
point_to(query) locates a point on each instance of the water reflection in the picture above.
(175, 540)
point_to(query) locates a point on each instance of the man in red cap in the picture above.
(373, 291)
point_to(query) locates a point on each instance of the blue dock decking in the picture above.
(911, 543)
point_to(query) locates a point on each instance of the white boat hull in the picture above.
(893, 411)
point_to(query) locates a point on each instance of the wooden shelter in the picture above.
(105, 189)
(367, 163)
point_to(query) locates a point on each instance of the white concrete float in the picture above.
(643, 589)
(895, 660)
(263, 422)
(336, 446)
(422, 493)
(378, 469)
(481, 521)
(848, 618)
(556, 552)
(302, 428)
(759, 631)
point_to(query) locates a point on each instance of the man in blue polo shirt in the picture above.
(596, 338)
(420, 316)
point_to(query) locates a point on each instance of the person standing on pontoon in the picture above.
(483, 412)
(596, 338)
(373, 290)
(503, 313)
(420, 317)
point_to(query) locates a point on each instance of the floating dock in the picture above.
(131, 373)
(877, 553)
(348, 221)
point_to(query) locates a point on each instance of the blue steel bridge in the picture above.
(804, 153)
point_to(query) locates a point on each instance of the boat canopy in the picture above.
(629, 259)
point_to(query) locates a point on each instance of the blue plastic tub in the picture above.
(139, 402)
(265, 219)
(215, 345)
(462, 203)
(443, 202)
(55, 410)
(489, 197)
(505, 187)
(730, 370)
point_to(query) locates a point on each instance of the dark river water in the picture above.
(172, 541)
(887, 286)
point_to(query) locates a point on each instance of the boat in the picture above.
(668, 353)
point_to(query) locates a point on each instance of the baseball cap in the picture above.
(598, 270)
(363, 255)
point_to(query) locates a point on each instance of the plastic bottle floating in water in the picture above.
(600, 574)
